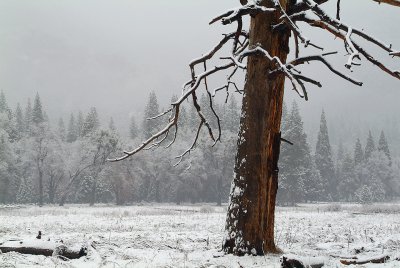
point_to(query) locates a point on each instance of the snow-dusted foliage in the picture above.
(41, 162)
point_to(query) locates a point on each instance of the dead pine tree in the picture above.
(263, 53)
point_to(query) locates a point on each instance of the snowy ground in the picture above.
(190, 236)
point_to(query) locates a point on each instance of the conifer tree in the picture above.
(37, 111)
(19, 121)
(232, 115)
(72, 129)
(91, 123)
(133, 130)
(295, 164)
(323, 156)
(28, 118)
(152, 109)
(358, 153)
(347, 184)
(384, 147)
(369, 147)
(3, 103)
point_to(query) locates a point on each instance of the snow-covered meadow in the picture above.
(154, 235)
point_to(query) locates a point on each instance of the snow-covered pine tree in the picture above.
(3, 103)
(28, 118)
(37, 111)
(358, 153)
(347, 184)
(5, 160)
(152, 109)
(384, 147)
(91, 123)
(369, 147)
(19, 122)
(232, 115)
(323, 157)
(295, 166)
(8, 120)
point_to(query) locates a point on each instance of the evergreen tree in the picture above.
(358, 153)
(91, 123)
(347, 184)
(296, 181)
(133, 130)
(37, 111)
(369, 147)
(19, 121)
(3, 103)
(5, 162)
(28, 118)
(384, 147)
(61, 129)
(323, 157)
(7, 118)
(151, 110)
(232, 115)
(72, 134)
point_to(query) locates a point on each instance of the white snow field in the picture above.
(154, 235)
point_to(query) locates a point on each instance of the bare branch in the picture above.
(322, 59)
(389, 2)
(339, 34)
(160, 115)
(234, 14)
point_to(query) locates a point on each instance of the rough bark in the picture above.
(251, 212)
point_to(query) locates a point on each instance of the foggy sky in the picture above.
(110, 54)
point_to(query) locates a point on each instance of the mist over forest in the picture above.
(199, 133)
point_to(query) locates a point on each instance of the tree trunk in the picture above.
(45, 248)
(93, 192)
(251, 212)
(40, 172)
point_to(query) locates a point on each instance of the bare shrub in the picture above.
(207, 209)
(380, 208)
(333, 208)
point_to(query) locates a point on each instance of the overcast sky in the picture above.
(110, 54)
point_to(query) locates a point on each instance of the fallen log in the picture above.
(45, 248)
(376, 259)
(292, 261)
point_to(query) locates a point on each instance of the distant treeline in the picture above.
(41, 162)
